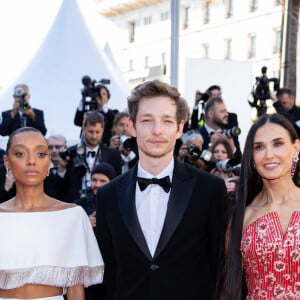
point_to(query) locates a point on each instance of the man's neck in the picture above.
(92, 147)
(155, 165)
(212, 125)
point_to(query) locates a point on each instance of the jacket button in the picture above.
(154, 267)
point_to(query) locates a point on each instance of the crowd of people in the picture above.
(177, 209)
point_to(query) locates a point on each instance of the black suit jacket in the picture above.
(10, 124)
(185, 263)
(74, 180)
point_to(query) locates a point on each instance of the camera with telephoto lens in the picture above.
(232, 132)
(75, 155)
(127, 142)
(196, 153)
(261, 91)
(229, 166)
(21, 94)
(91, 90)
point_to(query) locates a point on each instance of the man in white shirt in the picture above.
(160, 225)
(88, 154)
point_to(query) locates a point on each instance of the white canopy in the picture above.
(67, 53)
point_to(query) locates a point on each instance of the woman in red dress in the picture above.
(264, 236)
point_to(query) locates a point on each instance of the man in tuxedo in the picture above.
(22, 114)
(87, 155)
(160, 225)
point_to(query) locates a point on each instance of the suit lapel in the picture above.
(126, 197)
(181, 192)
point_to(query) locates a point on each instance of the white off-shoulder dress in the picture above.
(56, 248)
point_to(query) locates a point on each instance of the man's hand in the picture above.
(29, 112)
(198, 96)
(15, 108)
(114, 142)
(183, 152)
(92, 218)
(230, 184)
(62, 165)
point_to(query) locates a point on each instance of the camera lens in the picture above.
(127, 142)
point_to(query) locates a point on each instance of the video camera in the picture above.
(21, 94)
(261, 91)
(91, 90)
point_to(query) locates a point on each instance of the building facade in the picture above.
(239, 30)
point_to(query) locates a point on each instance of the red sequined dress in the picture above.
(271, 261)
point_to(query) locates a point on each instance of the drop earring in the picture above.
(294, 165)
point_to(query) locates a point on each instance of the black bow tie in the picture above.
(165, 183)
(91, 153)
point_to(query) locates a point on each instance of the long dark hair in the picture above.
(250, 185)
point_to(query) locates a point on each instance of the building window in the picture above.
(146, 62)
(253, 5)
(186, 17)
(277, 41)
(147, 20)
(164, 16)
(206, 10)
(130, 65)
(205, 50)
(229, 8)
(228, 49)
(252, 46)
(131, 31)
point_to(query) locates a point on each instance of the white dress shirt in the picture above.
(151, 206)
(86, 180)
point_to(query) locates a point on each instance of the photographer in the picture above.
(122, 141)
(85, 156)
(22, 114)
(222, 151)
(191, 149)
(216, 123)
(201, 98)
(101, 175)
(99, 95)
(284, 103)
(55, 182)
